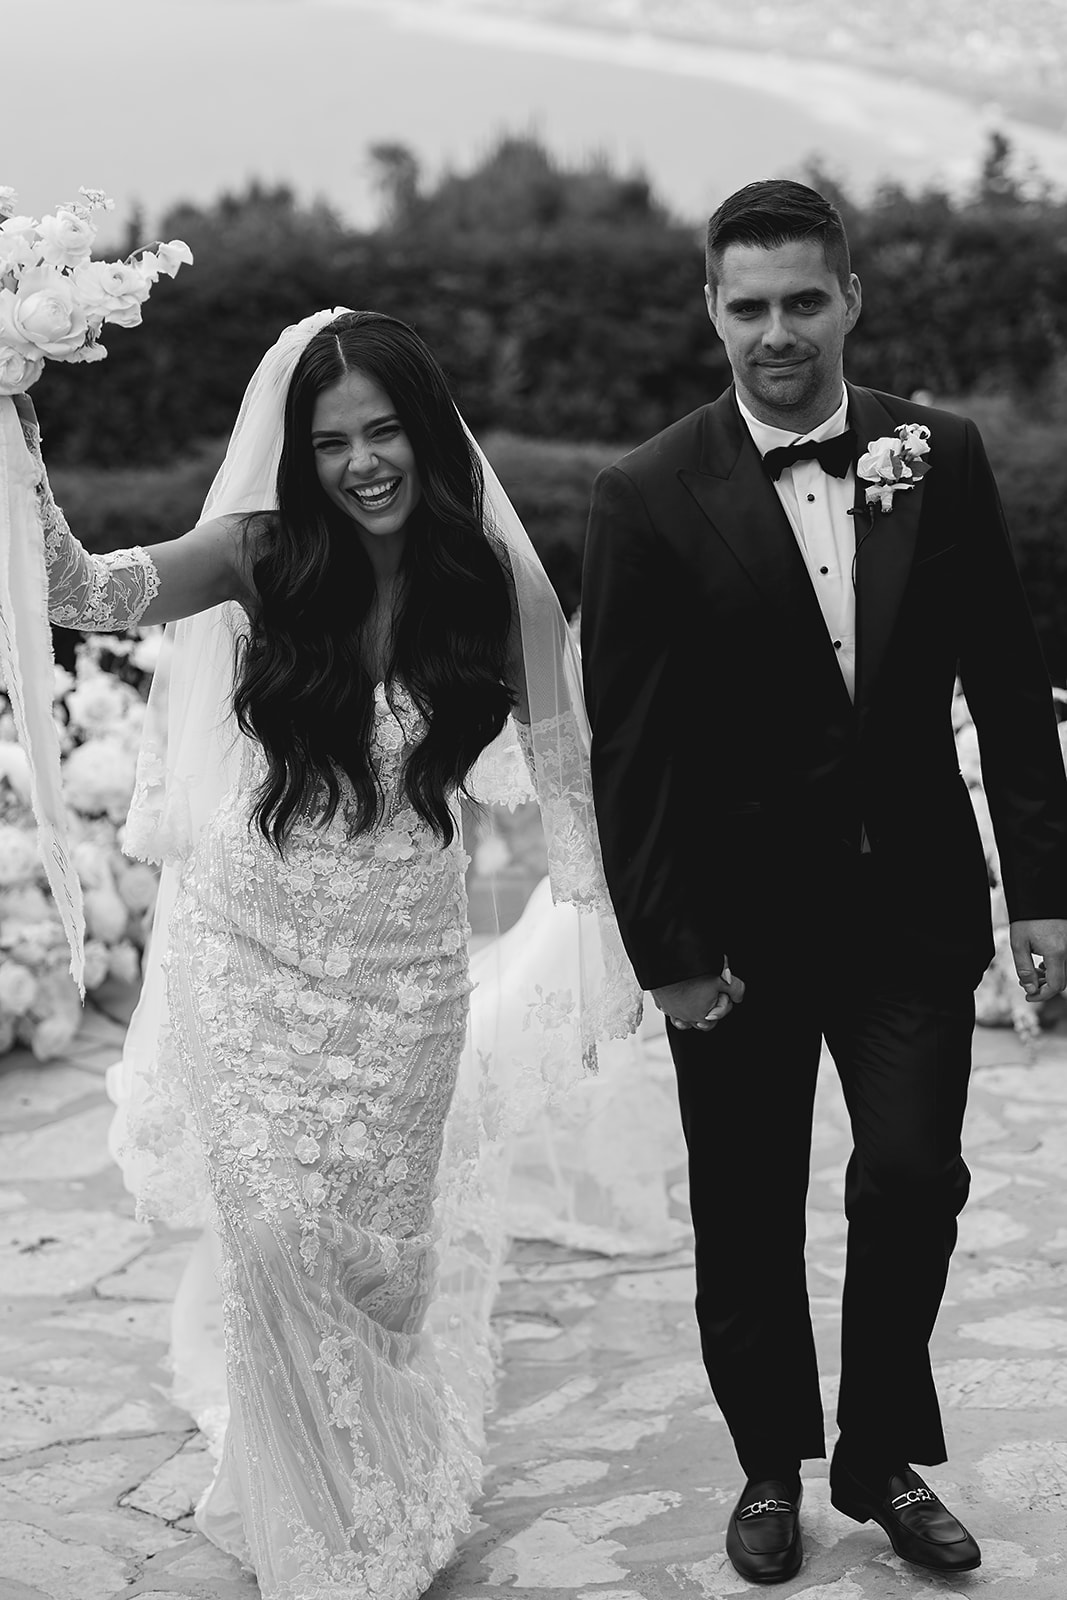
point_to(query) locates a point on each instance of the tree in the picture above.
(396, 175)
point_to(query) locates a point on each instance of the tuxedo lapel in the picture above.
(740, 502)
(885, 548)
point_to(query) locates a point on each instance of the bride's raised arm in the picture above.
(160, 583)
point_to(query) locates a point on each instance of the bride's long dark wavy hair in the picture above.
(302, 689)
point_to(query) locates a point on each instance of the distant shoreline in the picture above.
(1045, 112)
(849, 94)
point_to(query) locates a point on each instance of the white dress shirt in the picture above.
(818, 505)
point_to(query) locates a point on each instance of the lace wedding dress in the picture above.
(304, 1078)
(317, 1011)
(318, 1008)
(304, 1086)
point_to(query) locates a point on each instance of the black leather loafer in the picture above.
(921, 1529)
(763, 1534)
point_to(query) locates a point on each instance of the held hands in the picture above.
(1039, 950)
(700, 1003)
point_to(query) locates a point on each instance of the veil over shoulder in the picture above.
(527, 1044)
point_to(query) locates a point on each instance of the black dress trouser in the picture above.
(901, 1041)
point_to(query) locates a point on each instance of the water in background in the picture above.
(156, 100)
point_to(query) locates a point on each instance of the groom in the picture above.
(770, 660)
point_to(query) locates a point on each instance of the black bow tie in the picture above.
(833, 455)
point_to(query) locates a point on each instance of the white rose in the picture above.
(137, 883)
(18, 988)
(58, 1014)
(98, 777)
(124, 963)
(98, 702)
(97, 963)
(26, 902)
(18, 372)
(47, 312)
(145, 653)
(15, 767)
(129, 729)
(8, 197)
(105, 915)
(62, 682)
(491, 855)
(19, 861)
(11, 336)
(90, 863)
(19, 248)
(53, 1036)
(880, 460)
(21, 364)
(66, 239)
(113, 291)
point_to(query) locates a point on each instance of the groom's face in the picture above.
(783, 315)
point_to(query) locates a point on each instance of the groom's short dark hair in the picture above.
(775, 212)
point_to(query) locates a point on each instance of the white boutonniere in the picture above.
(894, 463)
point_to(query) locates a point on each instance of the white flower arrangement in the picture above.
(98, 710)
(1000, 1001)
(54, 299)
(894, 463)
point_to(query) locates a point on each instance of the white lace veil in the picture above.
(527, 1042)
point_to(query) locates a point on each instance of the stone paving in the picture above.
(611, 1475)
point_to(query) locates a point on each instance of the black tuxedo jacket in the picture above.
(732, 773)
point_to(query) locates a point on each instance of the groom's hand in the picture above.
(700, 1003)
(1039, 950)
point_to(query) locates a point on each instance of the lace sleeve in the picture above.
(102, 594)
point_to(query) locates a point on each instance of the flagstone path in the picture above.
(611, 1475)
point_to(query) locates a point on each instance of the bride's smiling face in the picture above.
(363, 457)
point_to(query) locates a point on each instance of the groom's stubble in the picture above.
(783, 316)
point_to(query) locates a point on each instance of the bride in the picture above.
(368, 630)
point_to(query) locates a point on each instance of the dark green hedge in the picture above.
(562, 303)
(549, 483)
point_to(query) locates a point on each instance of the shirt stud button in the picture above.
(811, 497)
(824, 570)
(837, 644)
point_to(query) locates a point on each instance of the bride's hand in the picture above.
(700, 1003)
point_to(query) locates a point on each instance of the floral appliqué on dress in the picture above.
(318, 1006)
